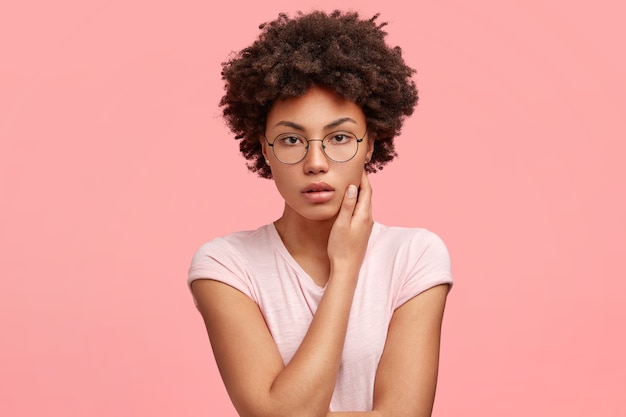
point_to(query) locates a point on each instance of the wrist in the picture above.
(343, 272)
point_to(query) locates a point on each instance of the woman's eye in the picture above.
(291, 140)
(340, 138)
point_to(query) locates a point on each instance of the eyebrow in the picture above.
(330, 125)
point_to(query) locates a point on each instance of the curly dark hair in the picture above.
(339, 51)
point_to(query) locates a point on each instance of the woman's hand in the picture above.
(257, 380)
(350, 233)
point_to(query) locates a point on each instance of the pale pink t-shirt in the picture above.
(399, 264)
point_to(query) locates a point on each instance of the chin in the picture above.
(319, 213)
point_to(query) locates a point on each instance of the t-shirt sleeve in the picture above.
(428, 265)
(219, 261)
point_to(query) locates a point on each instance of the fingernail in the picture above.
(351, 191)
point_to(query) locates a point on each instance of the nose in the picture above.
(315, 160)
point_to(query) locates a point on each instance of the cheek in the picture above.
(283, 181)
(353, 174)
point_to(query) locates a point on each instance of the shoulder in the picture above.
(232, 256)
(415, 241)
(236, 244)
(417, 257)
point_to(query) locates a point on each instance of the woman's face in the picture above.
(314, 187)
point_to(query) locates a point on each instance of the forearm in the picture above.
(258, 381)
(305, 386)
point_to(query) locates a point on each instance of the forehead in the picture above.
(318, 108)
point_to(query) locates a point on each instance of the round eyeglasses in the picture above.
(339, 146)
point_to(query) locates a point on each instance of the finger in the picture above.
(347, 205)
(364, 204)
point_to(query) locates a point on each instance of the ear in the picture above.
(263, 143)
(370, 147)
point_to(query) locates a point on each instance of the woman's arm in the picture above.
(251, 366)
(407, 374)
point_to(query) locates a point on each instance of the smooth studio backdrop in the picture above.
(115, 166)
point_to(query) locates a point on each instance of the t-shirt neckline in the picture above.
(306, 278)
(303, 276)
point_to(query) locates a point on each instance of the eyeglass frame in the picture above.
(308, 141)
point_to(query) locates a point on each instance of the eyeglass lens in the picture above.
(340, 146)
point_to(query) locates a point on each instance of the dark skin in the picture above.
(329, 241)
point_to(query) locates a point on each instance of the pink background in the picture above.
(115, 167)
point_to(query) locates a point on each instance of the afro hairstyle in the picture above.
(339, 51)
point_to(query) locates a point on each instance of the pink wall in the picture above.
(115, 166)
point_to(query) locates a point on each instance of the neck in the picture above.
(303, 235)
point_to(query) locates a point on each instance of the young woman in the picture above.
(323, 312)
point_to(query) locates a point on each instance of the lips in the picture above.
(317, 187)
(318, 192)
